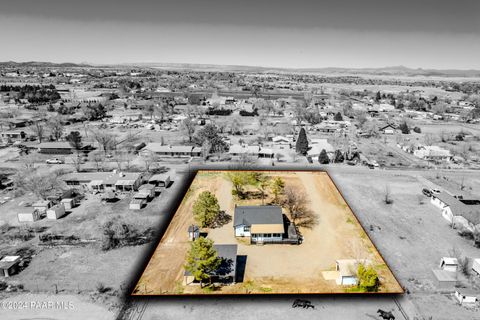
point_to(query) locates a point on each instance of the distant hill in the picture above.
(384, 71)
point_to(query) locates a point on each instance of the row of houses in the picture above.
(461, 213)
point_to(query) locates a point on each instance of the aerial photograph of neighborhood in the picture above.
(240, 159)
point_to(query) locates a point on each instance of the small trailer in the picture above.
(9, 265)
(147, 189)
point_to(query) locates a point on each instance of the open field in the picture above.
(275, 268)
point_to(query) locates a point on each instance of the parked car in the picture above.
(54, 161)
(426, 192)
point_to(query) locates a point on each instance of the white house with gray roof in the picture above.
(260, 223)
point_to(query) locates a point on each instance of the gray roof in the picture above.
(469, 212)
(248, 215)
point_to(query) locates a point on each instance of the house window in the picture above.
(246, 229)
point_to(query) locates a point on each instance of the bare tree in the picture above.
(98, 158)
(188, 127)
(297, 205)
(56, 127)
(105, 139)
(41, 184)
(387, 195)
(38, 129)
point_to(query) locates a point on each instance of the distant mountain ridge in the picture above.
(390, 70)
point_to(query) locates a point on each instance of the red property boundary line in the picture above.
(192, 176)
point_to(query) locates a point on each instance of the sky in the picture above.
(277, 33)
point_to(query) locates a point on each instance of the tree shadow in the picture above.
(222, 219)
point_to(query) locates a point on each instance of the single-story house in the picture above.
(100, 181)
(226, 273)
(172, 151)
(317, 145)
(12, 136)
(388, 129)
(449, 264)
(260, 223)
(58, 147)
(456, 211)
(256, 151)
(281, 141)
(432, 153)
(9, 265)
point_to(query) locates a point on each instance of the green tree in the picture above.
(338, 117)
(404, 128)
(302, 143)
(202, 260)
(210, 133)
(75, 140)
(206, 209)
(261, 182)
(323, 157)
(239, 179)
(278, 186)
(367, 279)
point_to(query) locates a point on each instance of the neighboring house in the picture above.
(100, 181)
(432, 153)
(281, 141)
(388, 129)
(255, 151)
(456, 211)
(226, 273)
(317, 145)
(260, 223)
(12, 136)
(172, 151)
(55, 148)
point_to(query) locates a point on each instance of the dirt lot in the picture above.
(336, 236)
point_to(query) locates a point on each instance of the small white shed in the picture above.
(449, 264)
(42, 205)
(137, 203)
(56, 212)
(466, 297)
(476, 266)
(69, 203)
(347, 272)
(31, 216)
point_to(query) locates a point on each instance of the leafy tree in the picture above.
(367, 278)
(296, 204)
(338, 156)
(404, 128)
(338, 117)
(206, 209)
(278, 186)
(302, 142)
(261, 182)
(323, 157)
(210, 133)
(202, 260)
(188, 126)
(75, 140)
(56, 127)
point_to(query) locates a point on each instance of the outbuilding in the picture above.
(56, 212)
(42, 205)
(445, 279)
(347, 270)
(9, 265)
(466, 297)
(449, 264)
(147, 189)
(69, 203)
(138, 202)
(31, 216)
